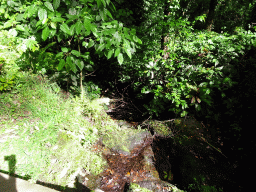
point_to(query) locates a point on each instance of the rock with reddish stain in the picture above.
(130, 159)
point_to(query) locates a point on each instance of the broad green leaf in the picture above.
(101, 47)
(64, 27)
(79, 26)
(59, 37)
(72, 30)
(117, 52)
(56, 4)
(38, 23)
(85, 56)
(53, 25)
(85, 44)
(87, 24)
(115, 22)
(110, 53)
(52, 33)
(120, 58)
(76, 53)
(57, 19)
(13, 32)
(44, 21)
(109, 14)
(94, 30)
(98, 3)
(61, 64)
(91, 43)
(139, 41)
(126, 43)
(127, 36)
(108, 43)
(45, 33)
(49, 6)
(42, 14)
(71, 64)
(103, 14)
(183, 113)
(60, 54)
(7, 24)
(117, 36)
(20, 27)
(20, 17)
(135, 38)
(128, 51)
(80, 64)
(31, 10)
(64, 49)
(98, 18)
(231, 49)
(103, 2)
(133, 31)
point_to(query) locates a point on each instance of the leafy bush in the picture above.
(8, 56)
(67, 31)
(6, 82)
(195, 68)
(92, 91)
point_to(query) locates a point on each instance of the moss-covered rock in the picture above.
(161, 128)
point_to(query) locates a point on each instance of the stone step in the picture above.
(13, 184)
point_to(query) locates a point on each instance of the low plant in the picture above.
(199, 186)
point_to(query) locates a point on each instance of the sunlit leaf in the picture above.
(87, 24)
(72, 30)
(101, 47)
(117, 52)
(91, 43)
(76, 53)
(64, 49)
(110, 53)
(79, 27)
(64, 27)
(20, 28)
(45, 33)
(42, 14)
(128, 51)
(120, 58)
(80, 64)
(49, 6)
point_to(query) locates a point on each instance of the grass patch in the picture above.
(47, 135)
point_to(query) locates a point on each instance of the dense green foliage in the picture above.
(178, 65)
(67, 31)
(192, 57)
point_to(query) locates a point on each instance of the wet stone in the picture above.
(130, 160)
